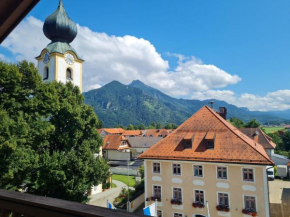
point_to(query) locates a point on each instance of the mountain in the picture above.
(119, 104)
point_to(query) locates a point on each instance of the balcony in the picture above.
(20, 204)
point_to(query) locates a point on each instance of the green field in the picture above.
(124, 179)
(273, 129)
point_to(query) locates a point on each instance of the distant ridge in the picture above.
(136, 103)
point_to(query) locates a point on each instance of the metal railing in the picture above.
(17, 204)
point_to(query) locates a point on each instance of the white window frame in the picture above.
(177, 213)
(256, 201)
(204, 199)
(254, 174)
(181, 192)
(153, 167)
(223, 192)
(173, 170)
(202, 167)
(160, 211)
(160, 190)
(227, 179)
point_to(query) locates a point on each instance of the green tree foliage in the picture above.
(48, 136)
(252, 124)
(286, 141)
(277, 140)
(238, 123)
(130, 127)
(171, 126)
(141, 171)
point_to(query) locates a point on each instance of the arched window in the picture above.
(69, 74)
(46, 73)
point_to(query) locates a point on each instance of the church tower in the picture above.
(59, 61)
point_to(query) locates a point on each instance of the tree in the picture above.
(252, 124)
(277, 140)
(48, 136)
(171, 126)
(130, 127)
(238, 123)
(141, 171)
(286, 141)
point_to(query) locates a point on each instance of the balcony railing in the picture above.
(27, 205)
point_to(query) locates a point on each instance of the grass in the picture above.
(124, 179)
(114, 185)
(273, 129)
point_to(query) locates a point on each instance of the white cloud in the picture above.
(124, 59)
(129, 58)
(272, 101)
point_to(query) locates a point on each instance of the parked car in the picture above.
(270, 173)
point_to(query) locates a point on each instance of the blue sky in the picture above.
(250, 39)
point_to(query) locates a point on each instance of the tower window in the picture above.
(46, 73)
(69, 74)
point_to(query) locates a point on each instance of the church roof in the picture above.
(230, 144)
(58, 27)
(61, 47)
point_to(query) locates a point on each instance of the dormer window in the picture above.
(69, 74)
(210, 138)
(187, 144)
(46, 73)
(210, 144)
(187, 140)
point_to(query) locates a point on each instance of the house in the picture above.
(108, 131)
(287, 127)
(260, 137)
(266, 141)
(141, 144)
(156, 133)
(207, 161)
(116, 147)
(132, 133)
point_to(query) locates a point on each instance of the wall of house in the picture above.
(136, 203)
(117, 155)
(234, 186)
(279, 159)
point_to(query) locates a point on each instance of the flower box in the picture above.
(176, 202)
(222, 208)
(198, 205)
(156, 198)
(250, 212)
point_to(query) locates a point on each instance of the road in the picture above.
(100, 199)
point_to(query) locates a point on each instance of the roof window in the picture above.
(210, 139)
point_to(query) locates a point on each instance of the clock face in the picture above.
(69, 58)
(46, 58)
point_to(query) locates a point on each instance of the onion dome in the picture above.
(58, 27)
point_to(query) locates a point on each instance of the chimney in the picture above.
(223, 112)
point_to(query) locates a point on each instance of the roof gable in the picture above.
(114, 142)
(230, 145)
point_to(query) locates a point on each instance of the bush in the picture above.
(275, 170)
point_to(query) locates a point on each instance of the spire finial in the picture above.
(60, 3)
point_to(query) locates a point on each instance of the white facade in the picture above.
(57, 68)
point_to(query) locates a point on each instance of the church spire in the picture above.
(58, 27)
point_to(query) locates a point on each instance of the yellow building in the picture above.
(207, 161)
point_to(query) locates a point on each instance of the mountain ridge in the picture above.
(136, 103)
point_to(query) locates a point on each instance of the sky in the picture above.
(236, 51)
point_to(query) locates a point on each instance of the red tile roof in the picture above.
(230, 144)
(259, 136)
(157, 132)
(132, 133)
(113, 142)
(114, 130)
